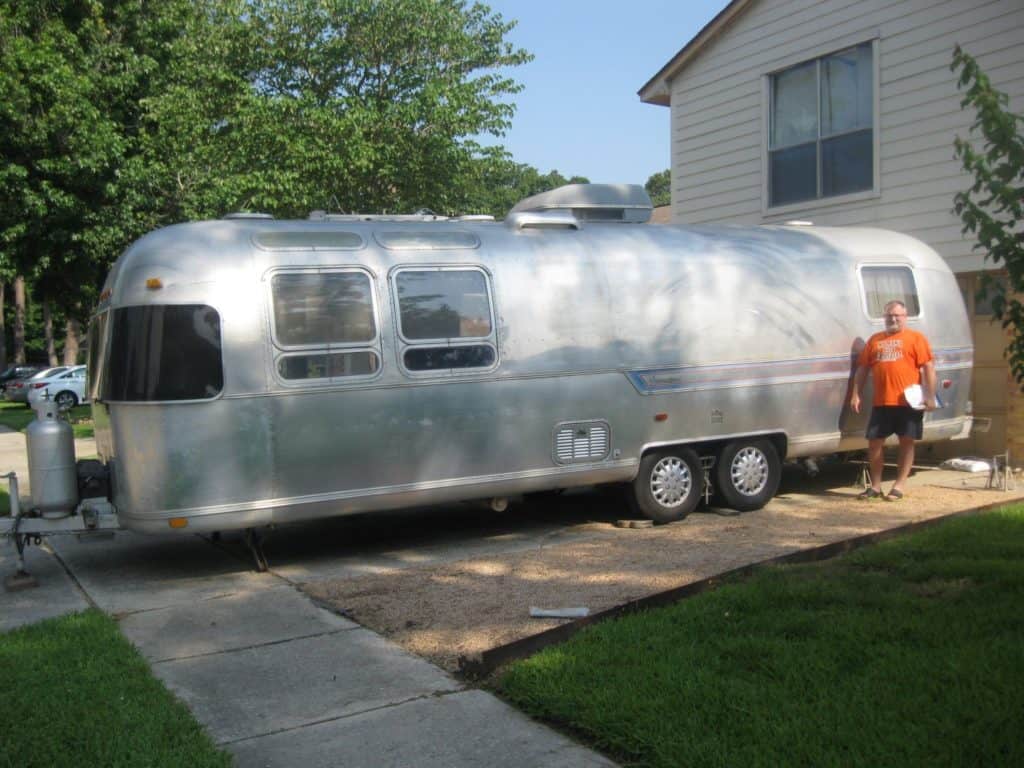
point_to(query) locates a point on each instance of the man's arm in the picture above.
(858, 386)
(931, 386)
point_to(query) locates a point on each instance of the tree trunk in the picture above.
(71, 342)
(19, 320)
(3, 329)
(51, 349)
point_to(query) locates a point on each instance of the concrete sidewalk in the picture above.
(275, 679)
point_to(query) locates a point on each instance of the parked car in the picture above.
(67, 388)
(17, 390)
(17, 372)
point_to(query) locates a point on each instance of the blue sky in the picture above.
(579, 112)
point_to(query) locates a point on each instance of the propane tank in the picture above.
(53, 478)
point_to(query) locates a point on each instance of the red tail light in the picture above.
(40, 385)
(17, 385)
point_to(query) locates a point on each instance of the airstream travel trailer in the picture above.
(247, 371)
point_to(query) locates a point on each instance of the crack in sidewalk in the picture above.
(382, 707)
(267, 644)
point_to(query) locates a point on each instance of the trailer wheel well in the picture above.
(714, 447)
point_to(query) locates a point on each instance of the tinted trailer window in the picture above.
(164, 353)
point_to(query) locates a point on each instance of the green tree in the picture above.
(659, 187)
(357, 105)
(122, 116)
(496, 183)
(992, 209)
(56, 141)
(73, 76)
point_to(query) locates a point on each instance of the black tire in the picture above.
(66, 399)
(669, 484)
(747, 474)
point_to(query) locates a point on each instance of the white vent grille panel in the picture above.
(582, 442)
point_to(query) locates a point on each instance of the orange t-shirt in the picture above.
(895, 360)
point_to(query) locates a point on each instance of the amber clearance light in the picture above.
(177, 522)
(154, 283)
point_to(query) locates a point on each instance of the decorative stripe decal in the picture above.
(729, 375)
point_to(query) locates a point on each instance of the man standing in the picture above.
(897, 357)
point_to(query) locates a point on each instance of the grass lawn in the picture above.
(17, 416)
(76, 693)
(908, 653)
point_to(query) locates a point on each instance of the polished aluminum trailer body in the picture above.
(592, 345)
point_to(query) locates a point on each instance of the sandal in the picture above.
(869, 494)
(894, 495)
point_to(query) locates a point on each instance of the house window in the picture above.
(986, 287)
(885, 284)
(821, 130)
(445, 319)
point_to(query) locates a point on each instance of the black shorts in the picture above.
(900, 420)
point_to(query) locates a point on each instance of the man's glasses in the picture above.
(890, 314)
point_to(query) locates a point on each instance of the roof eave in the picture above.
(658, 90)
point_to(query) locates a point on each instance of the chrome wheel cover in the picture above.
(749, 471)
(671, 482)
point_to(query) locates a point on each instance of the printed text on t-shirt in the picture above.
(889, 350)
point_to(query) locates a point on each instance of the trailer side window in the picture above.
(322, 308)
(163, 352)
(440, 310)
(328, 366)
(325, 320)
(885, 284)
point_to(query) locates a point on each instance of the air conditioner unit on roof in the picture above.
(627, 203)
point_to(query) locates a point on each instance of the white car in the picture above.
(67, 388)
(17, 390)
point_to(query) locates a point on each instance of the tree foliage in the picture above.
(659, 187)
(992, 209)
(496, 182)
(73, 76)
(357, 105)
(120, 116)
(58, 140)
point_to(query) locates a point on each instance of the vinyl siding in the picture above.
(718, 131)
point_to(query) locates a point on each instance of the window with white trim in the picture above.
(324, 322)
(821, 127)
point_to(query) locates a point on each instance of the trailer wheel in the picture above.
(747, 474)
(668, 485)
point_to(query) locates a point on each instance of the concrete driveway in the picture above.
(275, 679)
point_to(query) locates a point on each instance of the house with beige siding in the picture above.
(843, 112)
